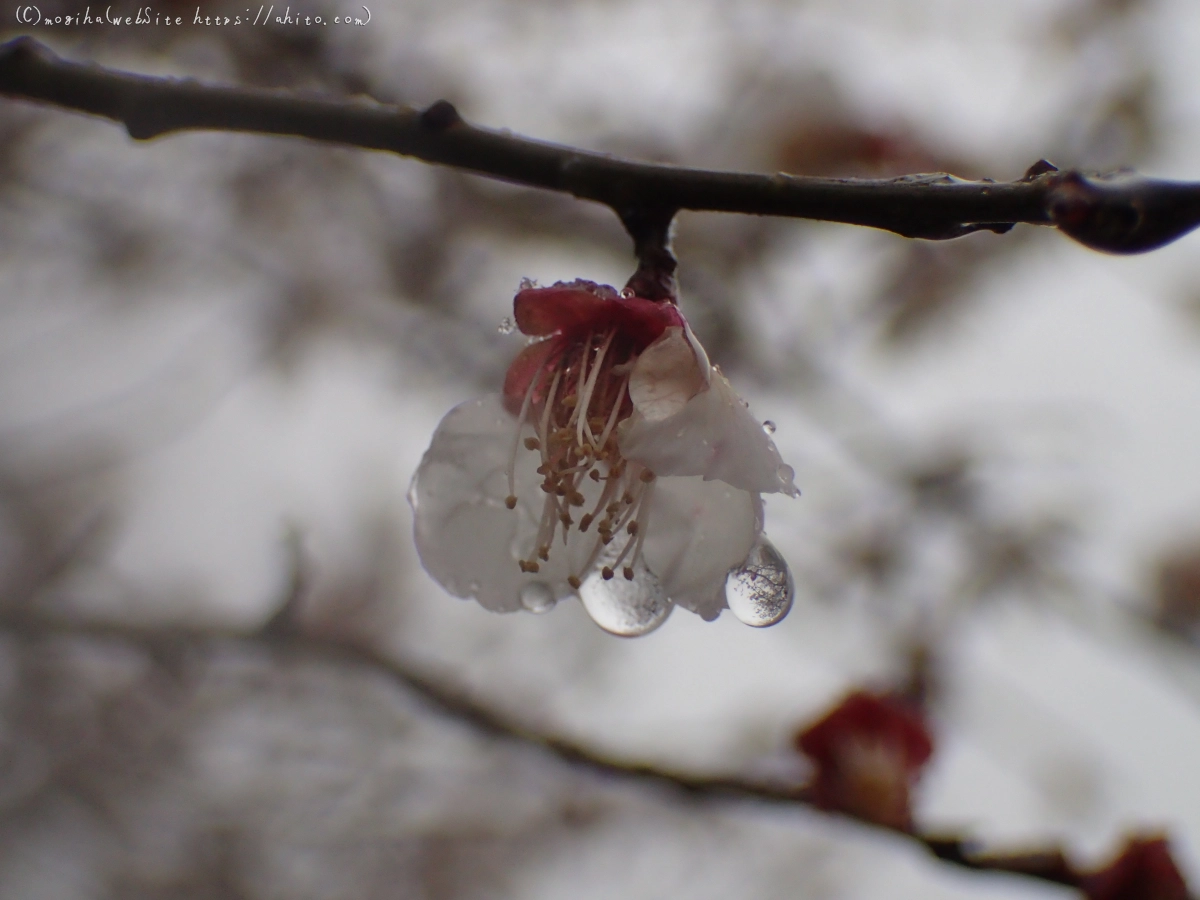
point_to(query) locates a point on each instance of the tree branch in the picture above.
(1117, 213)
(283, 636)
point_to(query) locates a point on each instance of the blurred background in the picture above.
(222, 356)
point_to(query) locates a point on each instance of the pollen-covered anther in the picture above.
(585, 522)
(628, 573)
(533, 443)
(511, 501)
(574, 582)
(606, 573)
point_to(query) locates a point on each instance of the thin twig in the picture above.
(1046, 865)
(1118, 213)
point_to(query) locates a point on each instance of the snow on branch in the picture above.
(1117, 212)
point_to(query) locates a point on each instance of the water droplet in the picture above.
(527, 284)
(623, 607)
(760, 590)
(537, 597)
(787, 479)
(769, 427)
(627, 293)
(473, 588)
(507, 326)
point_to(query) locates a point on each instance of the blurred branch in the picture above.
(1118, 213)
(282, 635)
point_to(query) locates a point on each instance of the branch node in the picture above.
(439, 116)
(1038, 169)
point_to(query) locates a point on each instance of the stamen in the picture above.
(585, 398)
(544, 425)
(580, 379)
(511, 500)
(637, 533)
(616, 410)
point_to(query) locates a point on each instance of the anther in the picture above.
(544, 553)
(585, 522)
(628, 573)
(607, 573)
(510, 501)
(632, 527)
(532, 443)
(594, 474)
(574, 582)
(647, 476)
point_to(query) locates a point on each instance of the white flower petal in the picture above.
(468, 540)
(697, 531)
(713, 436)
(666, 376)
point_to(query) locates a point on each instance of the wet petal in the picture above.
(523, 369)
(698, 530)
(713, 436)
(562, 307)
(580, 307)
(468, 540)
(665, 377)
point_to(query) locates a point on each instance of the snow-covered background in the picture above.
(217, 348)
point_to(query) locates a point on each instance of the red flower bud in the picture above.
(1143, 871)
(868, 751)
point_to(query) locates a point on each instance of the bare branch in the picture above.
(1044, 864)
(1116, 213)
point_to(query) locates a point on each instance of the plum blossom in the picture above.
(617, 465)
(1144, 870)
(868, 751)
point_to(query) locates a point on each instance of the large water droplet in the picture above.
(537, 597)
(627, 293)
(623, 607)
(760, 590)
(507, 326)
(769, 427)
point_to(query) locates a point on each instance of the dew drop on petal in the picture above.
(760, 591)
(537, 597)
(507, 326)
(769, 427)
(787, 477)
(624, 607)
(627, 293)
